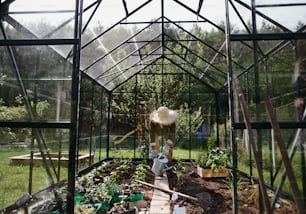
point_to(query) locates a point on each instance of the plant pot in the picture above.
(78, 197)
(98, 207)
(118, 197)
(136, 196)
(117, 208)
(48, 207)
(210, 173)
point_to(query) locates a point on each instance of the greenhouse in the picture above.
(101, 100)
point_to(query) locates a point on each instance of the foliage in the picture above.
(211, 141)
(215, 158)
(139, 174)
(180, 168)
(187, 120)
(19, 112)
(8, 113)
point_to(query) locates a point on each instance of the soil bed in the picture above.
(125, 173)
(215, 195)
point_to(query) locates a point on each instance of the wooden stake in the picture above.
(246, 116)
(167, 190)
(289, 171)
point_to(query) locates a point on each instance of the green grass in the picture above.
(177, 154)
(243, 165)
(14, 180)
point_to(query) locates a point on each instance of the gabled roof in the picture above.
(122, 38)
(150, 39)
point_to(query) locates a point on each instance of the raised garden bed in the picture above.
(212, 173)
(38, 159)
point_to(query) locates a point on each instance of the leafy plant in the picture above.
(105, 167)
(188, 120)
(215, 158)
(139, 174)
(180, 168)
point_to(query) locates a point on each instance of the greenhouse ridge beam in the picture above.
(159, 22)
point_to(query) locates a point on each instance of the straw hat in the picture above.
(163, 116)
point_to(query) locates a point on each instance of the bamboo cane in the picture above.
(167, 190)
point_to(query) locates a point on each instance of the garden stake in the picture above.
(167, 190)
(246, 116)
(278, 138)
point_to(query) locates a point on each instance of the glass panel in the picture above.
(93, 121)
(42, 17)
(121, 55)
(46, 82)
(279, 77)
(15, 158)
(287, 16)
(270, 155)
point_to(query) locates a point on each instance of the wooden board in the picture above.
(209, 173)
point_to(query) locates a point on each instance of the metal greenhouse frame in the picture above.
(95, 60)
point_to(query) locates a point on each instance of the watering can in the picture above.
(160, 165)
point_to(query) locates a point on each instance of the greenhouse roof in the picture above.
(123, 38)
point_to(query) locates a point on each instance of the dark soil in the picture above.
(215, 195)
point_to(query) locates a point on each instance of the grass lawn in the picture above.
(243, 165)
(14, 180)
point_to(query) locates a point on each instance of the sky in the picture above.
(111, 11)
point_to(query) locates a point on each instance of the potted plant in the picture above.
(214, 163)
(51, 206)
